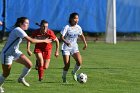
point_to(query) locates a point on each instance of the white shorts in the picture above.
(70, 51)
(7, 59)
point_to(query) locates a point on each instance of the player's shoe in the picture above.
(1, 90)
(22, 80)
(64, 79)
(74, 76)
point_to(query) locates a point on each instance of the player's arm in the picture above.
(28, 48)
(63, 39)
(37, 41)
(57, 47)
(84, 40)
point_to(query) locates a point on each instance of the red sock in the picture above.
(40, 72)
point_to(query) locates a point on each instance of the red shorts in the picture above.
(46, 54)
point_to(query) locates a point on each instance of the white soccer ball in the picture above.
(82, 78)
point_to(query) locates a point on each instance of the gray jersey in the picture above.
(15, 38)
(71, 35)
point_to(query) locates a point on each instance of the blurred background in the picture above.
(92, 14)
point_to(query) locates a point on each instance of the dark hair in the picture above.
(43, 22)
(20, 21)
(72, 15)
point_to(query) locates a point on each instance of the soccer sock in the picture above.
(40, 72)
(76, 68)
(25, 72)
(2, 79)
(36, 65)
(64, 73)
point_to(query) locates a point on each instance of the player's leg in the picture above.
(28, 64)
(6, 62)
(78, 60)
(40, 61)
(66, 60)
(6, 71)
(47, 58)
(46, 63)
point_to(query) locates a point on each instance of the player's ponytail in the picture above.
(20, 21)
(43, 22)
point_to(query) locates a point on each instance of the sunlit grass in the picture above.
(110, 69)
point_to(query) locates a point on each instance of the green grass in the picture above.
(110, 69)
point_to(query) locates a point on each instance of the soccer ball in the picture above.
(82, 78)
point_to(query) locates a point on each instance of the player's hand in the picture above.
(85, 47)
(68, 44)
(48, 40)
(56, 53)
(29, 52)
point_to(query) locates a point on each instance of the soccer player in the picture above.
(42, 50)
(11, 52)
(69, 36)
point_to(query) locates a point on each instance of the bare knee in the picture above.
(46, 68)
(66, 67)
(25, 61)
(6, 74)
(78, 63)
(6, 70)
(46, 64)
(29, 65)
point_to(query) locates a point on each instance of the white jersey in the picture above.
(71, 35)
(13, 42)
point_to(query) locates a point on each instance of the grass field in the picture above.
(110, 69)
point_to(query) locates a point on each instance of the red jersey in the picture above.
(38, 35)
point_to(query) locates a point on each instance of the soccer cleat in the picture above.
(64, 79)
(74, 76)
(22, 80)
(1, 90)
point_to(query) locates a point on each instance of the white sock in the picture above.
(64, 74)
(25, 72)
(76, 68)
(2, 79)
